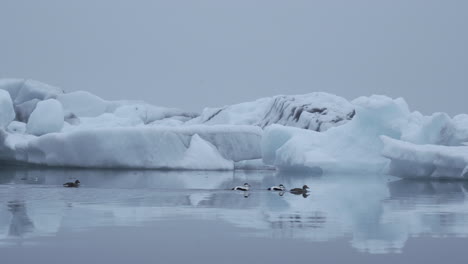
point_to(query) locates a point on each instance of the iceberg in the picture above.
(316, 132)
(383, 137)
(352, 147)
(26, 93)
(51, 127)
(24, 90)
(408, 160)
(314, 111)
(191, 147)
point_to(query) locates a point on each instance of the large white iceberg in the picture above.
(55, 128)
(357, 146)
(318, 132)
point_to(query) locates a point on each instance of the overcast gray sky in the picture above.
(192, 54)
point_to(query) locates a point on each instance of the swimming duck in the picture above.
(242, 188)
(277, 188)
(72, 184)
(302, 190)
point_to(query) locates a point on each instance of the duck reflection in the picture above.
(304, 195)
(314, 220)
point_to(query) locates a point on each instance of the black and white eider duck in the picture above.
(72, 184)
(280, 188)
(302, 190)
(242, 188)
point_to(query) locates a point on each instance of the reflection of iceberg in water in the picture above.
(436, 209)
(20, 222)
(376, 215)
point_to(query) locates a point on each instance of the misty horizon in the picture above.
(192, 55)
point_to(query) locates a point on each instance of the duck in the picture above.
(72, 184)
(244, 188)
(302, 190)
(277, 188)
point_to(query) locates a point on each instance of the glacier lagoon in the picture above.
(156, 180)
(148, 216)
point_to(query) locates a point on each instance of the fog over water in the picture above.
(192, 54)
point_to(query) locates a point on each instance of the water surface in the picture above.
(177, 216)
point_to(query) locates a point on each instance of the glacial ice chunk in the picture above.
(26, 93)
(17, 127)
(23, 90)
(7, 112)
(46, 118)
(438, 129)
(149, 113)
(410, 160)
(24, 110)
(316, 132)
(354, 146)
(106, 120)
(202, 155)
(143, 147)
(314, 111)
(82, 104)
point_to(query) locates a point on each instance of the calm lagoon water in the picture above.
(120, 216)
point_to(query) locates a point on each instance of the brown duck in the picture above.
(72, 184)
(298, 191)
